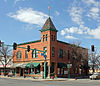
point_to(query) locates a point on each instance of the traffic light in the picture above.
(92, 48)
(14, 46)
(28, 48)
(0, 43)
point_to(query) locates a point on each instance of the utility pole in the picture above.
(92, 54)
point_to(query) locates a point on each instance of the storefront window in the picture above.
(17, 70)
(26, 71)
(37, 70)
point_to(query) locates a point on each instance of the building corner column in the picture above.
(48, 70)
(41, 70)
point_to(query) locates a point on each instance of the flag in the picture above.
(48, 7)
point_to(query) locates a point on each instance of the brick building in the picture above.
(59, 55)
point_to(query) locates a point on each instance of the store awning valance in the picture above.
(29, 65)
(22, 65)
(62, 65)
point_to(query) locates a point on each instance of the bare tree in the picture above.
(79, 57)
(75, 51)
(5, 56)
(94, 59)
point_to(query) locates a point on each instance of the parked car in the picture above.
(10, 74)
(95, 76)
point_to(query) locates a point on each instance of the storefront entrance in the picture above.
(21, 74)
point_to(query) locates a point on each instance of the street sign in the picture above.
(45, 56)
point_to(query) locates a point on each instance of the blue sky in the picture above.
(75, 20)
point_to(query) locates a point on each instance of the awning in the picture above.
(22, 65)
(62, 65)
(29, 65)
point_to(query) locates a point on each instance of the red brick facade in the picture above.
(57, 55)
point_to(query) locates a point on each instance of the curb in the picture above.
(57, 79)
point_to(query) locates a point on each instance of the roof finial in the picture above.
(48, 10)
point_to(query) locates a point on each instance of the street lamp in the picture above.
(69, 66)
(45, 57)
(31, 69)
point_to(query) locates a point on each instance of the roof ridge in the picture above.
(29, 42)
(48, 25)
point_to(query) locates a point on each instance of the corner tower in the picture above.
(48, 32)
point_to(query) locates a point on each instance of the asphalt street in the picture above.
(82, 82)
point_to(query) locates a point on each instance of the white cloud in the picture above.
(92, 33)
(94, 13)
(76, 15)
(63, 32)
(70, 37)
(27, 15)
(95, 33)
(91, 2)
(73, 30)
(57, 13)
(95, 9)
(15, 1)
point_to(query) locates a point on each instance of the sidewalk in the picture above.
(29, 78)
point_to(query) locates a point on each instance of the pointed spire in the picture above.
(48, 25)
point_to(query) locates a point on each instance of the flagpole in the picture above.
(49, 11)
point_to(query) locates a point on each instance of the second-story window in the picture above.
(68, 54)
(60, 53)
(46, 37)
(52, 37)
(43, 38)
(19, 55)
(53, 52)
(34, 54)
(26, 55)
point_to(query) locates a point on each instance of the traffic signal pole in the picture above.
(45, 70)
(15, 47)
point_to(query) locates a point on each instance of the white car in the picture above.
(95, 76)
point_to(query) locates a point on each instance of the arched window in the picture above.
(43, 38)
(19, 54)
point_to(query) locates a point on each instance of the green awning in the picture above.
(62, 65)
(36, 64)
(29, 65)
